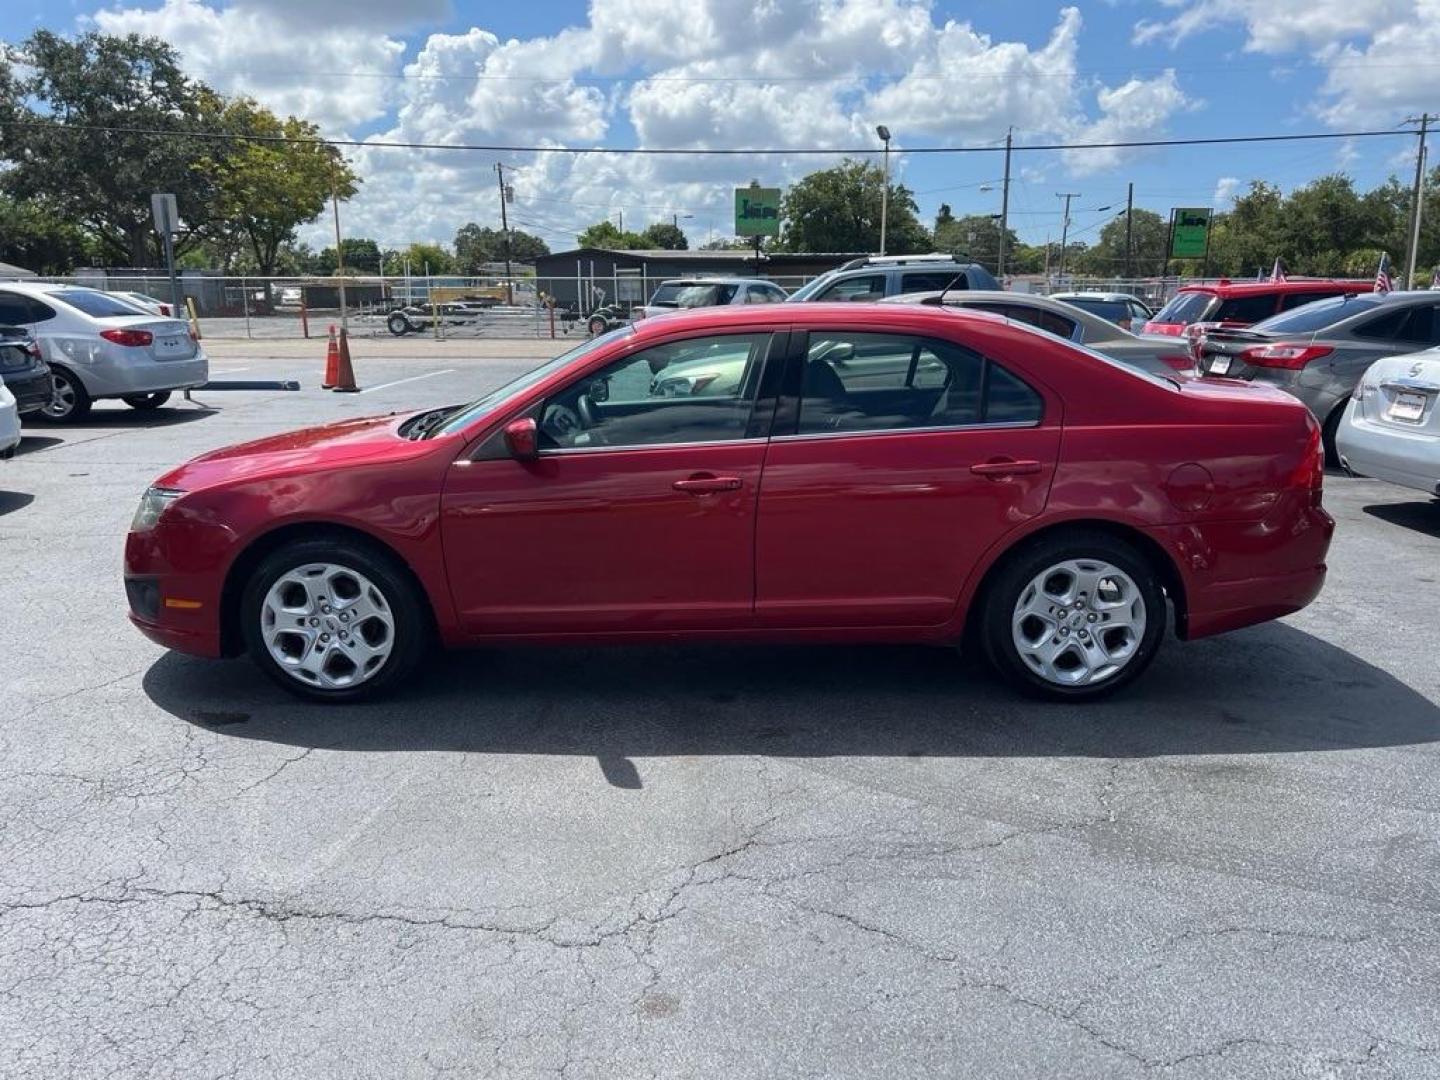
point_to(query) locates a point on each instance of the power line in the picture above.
(648, 151)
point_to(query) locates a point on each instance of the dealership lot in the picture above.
(701, 861)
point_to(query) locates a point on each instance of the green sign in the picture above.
(757, 211)
(1189, 232)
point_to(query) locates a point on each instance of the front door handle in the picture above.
(1006, 467)
(706, 484)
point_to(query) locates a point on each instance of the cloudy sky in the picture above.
(802, 73)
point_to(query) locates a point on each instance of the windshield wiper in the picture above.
(422, 426)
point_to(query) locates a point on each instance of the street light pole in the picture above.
(1004, 209)
(884, 133)
(1415, 198)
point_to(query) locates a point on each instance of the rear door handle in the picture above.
(707, 485)
(1006, 468)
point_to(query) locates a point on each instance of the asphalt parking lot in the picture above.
(821, 862)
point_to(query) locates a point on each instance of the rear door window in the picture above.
(867, 287)
(1290, 301)
(1420, 326)
(1246, 309)
(1031, 316)
(14, 311)
(1384, 328)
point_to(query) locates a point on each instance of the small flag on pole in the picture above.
(1277, 272)
(1383, 284)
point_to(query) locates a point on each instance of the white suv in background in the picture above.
(678, 294)
(99, 346)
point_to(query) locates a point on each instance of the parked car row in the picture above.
(63, 347)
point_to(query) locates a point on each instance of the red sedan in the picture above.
(783, 473)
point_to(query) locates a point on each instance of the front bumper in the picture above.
(1408, 459)
(174, 584)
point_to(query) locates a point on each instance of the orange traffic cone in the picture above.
(332, 362)
(345, 377)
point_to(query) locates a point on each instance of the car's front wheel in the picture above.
(147, 402)
(69, 401)
(398, 325)
(1074, 616)
(333, 620)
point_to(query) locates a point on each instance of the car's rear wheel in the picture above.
(69, 400)
(333, 620)
(147, 402)
(1074, 616)
(1330, 433)
(398, 325)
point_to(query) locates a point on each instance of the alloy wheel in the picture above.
(327, 626)
(1079, 622)
(63, 398)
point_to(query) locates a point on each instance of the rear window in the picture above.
(1290, 301)
(1319, 315)
(1114, 310)
(1246, 309)
(932, 281)
(1185, 308)
(687, 295)
(96, 303)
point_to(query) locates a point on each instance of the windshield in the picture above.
(1185, 308)
(811, 288)
(1114, 310)
(94, 302)
(1320, 314)
(688, 295)
(469, 413)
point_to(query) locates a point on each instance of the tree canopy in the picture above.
(476, 245)
(838, 209)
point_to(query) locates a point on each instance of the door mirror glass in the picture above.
(522, 439)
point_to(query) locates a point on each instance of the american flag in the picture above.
(1383, 284)
(1277, 272)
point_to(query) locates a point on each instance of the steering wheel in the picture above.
(588, 418)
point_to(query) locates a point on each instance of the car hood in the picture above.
(328, 447)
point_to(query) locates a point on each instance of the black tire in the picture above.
(411, 622)
(1330, 432)
(1012, 581)
(70, 401)
(597, 326)
(398, 325)
(147, 402)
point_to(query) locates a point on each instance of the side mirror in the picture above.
(522, 439)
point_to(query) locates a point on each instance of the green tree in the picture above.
(838, 209)
(362, 256)
(265, 190)
(664, 234)
(102, 180)
(423, 259)
(974, 236)
(476, 245)
(1149, 237)
(35, 236)
(1248, 237)
(606, 234)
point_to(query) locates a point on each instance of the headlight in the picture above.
(152, 505)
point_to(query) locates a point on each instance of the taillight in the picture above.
(1289, 357)
(1310, 473)
(135, 338)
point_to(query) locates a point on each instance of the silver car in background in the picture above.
(99, 346)
(1391, 429)
(1153, 354)
(1123, 309)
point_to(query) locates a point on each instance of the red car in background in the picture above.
(1242, 303)
(817, 472)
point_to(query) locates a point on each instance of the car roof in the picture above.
(39, 287)
(717, 280)
(917, 317)
(1093, 323)
(1111, 296)
(1291, 285)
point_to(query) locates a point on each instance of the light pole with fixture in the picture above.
(884, 133)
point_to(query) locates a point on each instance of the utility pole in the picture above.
(1416, 196)
(505, 228)
(1064, 227)
(1004, 209)
(1129, 225)
(339, 259)
(884, 133)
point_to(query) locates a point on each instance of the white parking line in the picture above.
(413, 378)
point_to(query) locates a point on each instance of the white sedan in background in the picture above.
(143, 301)
(1391, 428)
(99, 346)
(9, 422)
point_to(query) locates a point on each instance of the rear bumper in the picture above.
(32, 389)
(112, 374)
(1408, 459)
(1241, 573)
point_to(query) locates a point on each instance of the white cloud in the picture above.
(255, 49)
(1225, 189)
(1279, 26)
(717, 74)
